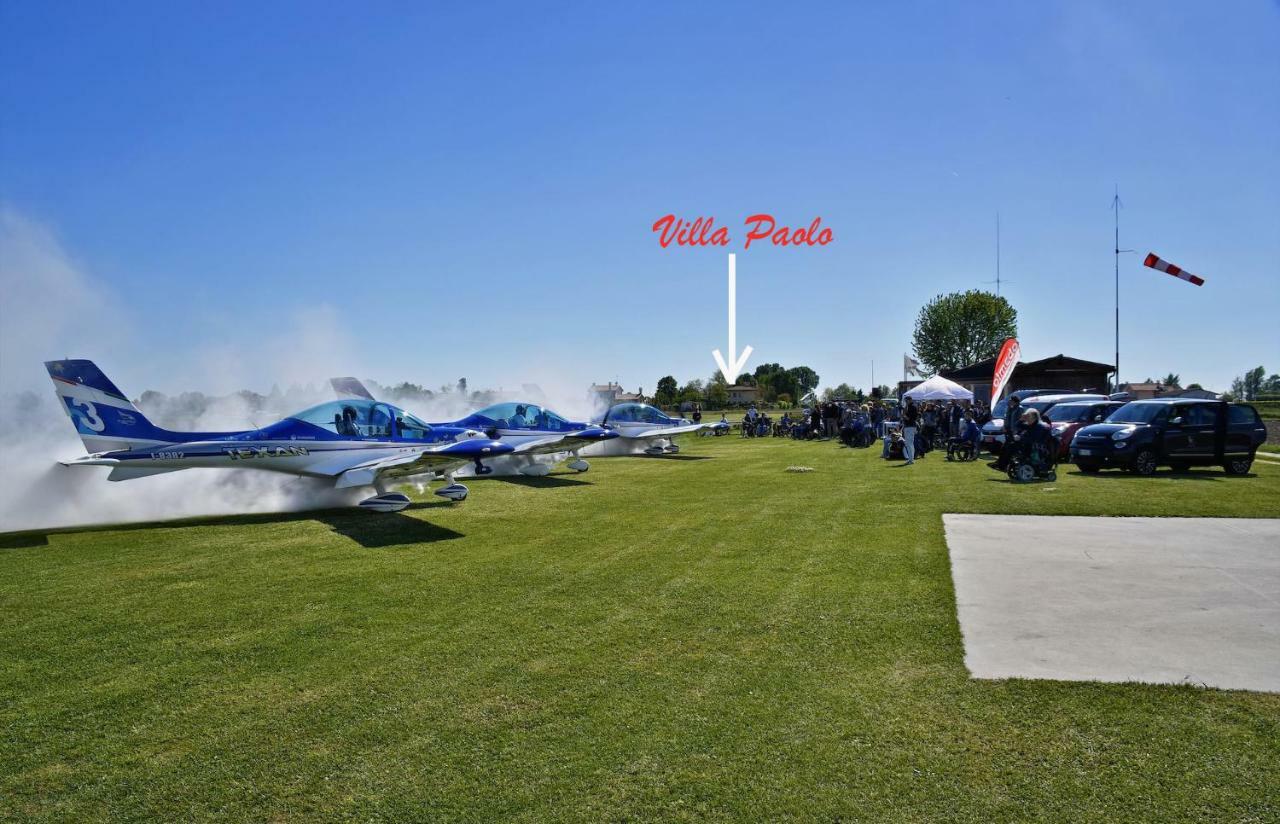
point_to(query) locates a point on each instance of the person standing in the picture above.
(910, 420)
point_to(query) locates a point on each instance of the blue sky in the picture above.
(421, 192)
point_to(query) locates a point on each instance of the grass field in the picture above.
(700, 637)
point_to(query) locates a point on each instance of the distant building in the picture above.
(607, 394)
(1147, 390)
(1057, 372)
(741, 394)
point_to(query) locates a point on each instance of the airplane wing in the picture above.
(442, 458)
(350, 388)
(547, 445)
(667, 431)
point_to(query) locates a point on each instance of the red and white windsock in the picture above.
(1169, 269)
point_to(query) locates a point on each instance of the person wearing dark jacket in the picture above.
(910, 422)
(1011, 428)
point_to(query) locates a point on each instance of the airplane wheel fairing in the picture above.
(672, 448)
(579, 465)
(454, 492)
(655, 450)
(390, 502)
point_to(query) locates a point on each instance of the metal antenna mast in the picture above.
(997, 280)
(1116, 206)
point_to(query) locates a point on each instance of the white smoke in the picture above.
(53, 308)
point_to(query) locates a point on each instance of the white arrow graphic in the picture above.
(731, 372)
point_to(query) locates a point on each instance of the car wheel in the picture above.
(1180, 466)
(1239, 466)
(1090, 469)
(1144, 463)
(1052, 476)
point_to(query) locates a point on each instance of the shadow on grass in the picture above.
(368, 529)
(1205, 475)
(680, 457)
(543, 482)
(384, 529)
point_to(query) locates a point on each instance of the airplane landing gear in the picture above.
(481, 469)
(453, 491)
(388, 502)
(579, 465)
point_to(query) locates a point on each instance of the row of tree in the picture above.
(1254, 385)
(777, 384)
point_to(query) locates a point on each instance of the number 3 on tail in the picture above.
(88, 414)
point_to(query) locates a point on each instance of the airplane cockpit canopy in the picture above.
(636, 413)
(359, 418)
(522, 416)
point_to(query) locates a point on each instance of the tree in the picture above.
(692, 391)
(1172, 379)
(772, 380)
(962, 328)
(718, 394)
(1253, 381)
(1195, 386)
(1249, 385)
(665, 395)
(845, 392)
(462, 386)
(745, 379)
(803, 379)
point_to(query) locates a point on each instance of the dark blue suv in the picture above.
(1174, 432)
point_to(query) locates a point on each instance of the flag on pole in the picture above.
(1169, 269)
(1010, 354)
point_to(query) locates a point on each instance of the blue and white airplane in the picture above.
(532, 430)
(354, 442)
(647, 424)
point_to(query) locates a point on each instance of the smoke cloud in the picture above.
(54, 308)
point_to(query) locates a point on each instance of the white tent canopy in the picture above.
(939, 388)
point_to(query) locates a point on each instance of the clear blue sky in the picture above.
(468, 189)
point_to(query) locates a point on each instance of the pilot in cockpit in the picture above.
(347, 426)
(541, 421)
(518, 420)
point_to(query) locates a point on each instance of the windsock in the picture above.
(1169, 269)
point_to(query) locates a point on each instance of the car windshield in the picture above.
(1138, 412)
(1071, 413)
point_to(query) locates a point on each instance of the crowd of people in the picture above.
(906, 430)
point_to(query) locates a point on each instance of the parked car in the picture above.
(1041, 399)
(1067, 418)
(1175, 432)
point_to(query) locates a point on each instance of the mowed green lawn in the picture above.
(703, 637)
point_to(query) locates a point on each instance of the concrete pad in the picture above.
(1160, 600)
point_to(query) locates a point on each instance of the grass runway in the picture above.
(696, 637)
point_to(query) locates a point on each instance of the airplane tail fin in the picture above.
(105, 419)
(350, 388)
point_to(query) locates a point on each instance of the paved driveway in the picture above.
(1161, 600)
